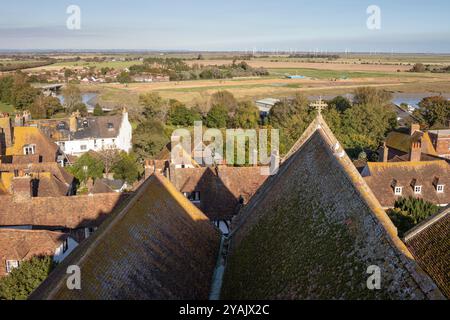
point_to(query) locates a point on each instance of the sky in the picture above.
(227, 25)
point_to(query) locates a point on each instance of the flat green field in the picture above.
(334, 74)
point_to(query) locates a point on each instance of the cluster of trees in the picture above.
(361, 125)
(22, 281)
(93, 166)
(434, 112)
(408, 212)
(420, 67)
(178, 70)
(17, 91)
(159, 117)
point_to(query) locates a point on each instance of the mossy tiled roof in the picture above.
(160, 246)
(429, 242)
(312, 231)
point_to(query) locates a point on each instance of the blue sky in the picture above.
(302, 25)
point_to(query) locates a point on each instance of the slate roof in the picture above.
(381, 177)
(103, 127)
(429, 242)
(221, 188)
(160, 246)
(66, 212)
(24, 244)
(312, 231)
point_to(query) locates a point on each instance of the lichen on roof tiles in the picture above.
(312, 231)
(160, 246)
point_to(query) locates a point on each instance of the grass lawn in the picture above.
(109, 64)
(6, 108)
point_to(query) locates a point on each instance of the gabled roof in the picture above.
(46, 149)
(313, 230)
(67, 212)
(24, 244)
(220, 188)
(406, 174)
(160, 246)
(429, 242)
(402, 142)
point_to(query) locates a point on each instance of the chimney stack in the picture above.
(21, 187)
(73, 121)
(149, 168)
(414, 127)
(416, 151)
(385, 152)
(18, 120)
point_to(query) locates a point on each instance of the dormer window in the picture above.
(417, 189)
(440, 188)
(11, 265)
(29, 149)
(398, 191)
(110, 126)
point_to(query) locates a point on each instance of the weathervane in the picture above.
(319, 105)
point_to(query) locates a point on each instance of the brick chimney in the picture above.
(416, 151)
(21, 187)
(414, 127)
(73, 121)
(385, 153)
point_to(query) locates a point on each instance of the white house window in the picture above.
(440, 188)
(418, 189)
(83, 147)
(29, 149)
(11, 264)
(398, 191)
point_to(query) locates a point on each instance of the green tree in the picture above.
(22, 281)
(86, 167)
(179, 115)
(98, 111)
(72, 97)
(291, 117)
(126, 168)
(340, 103)
(124, 77)
(408, 212)
(44, 107)
(246, 116)
(371, 96)
(434, 112)
(149, 138)
(224, 99)
(154, 106)
(217, 117)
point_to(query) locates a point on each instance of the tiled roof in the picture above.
(429, 242)
(220, 188)
(382, 176)
(68, 212)
(49, 179)
(402, 142)
(24, 244)
(160, 246)
(46, 149)
(313, 230)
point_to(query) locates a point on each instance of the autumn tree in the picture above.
(434, 112)
(72, 98)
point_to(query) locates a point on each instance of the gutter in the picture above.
(219, 270)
